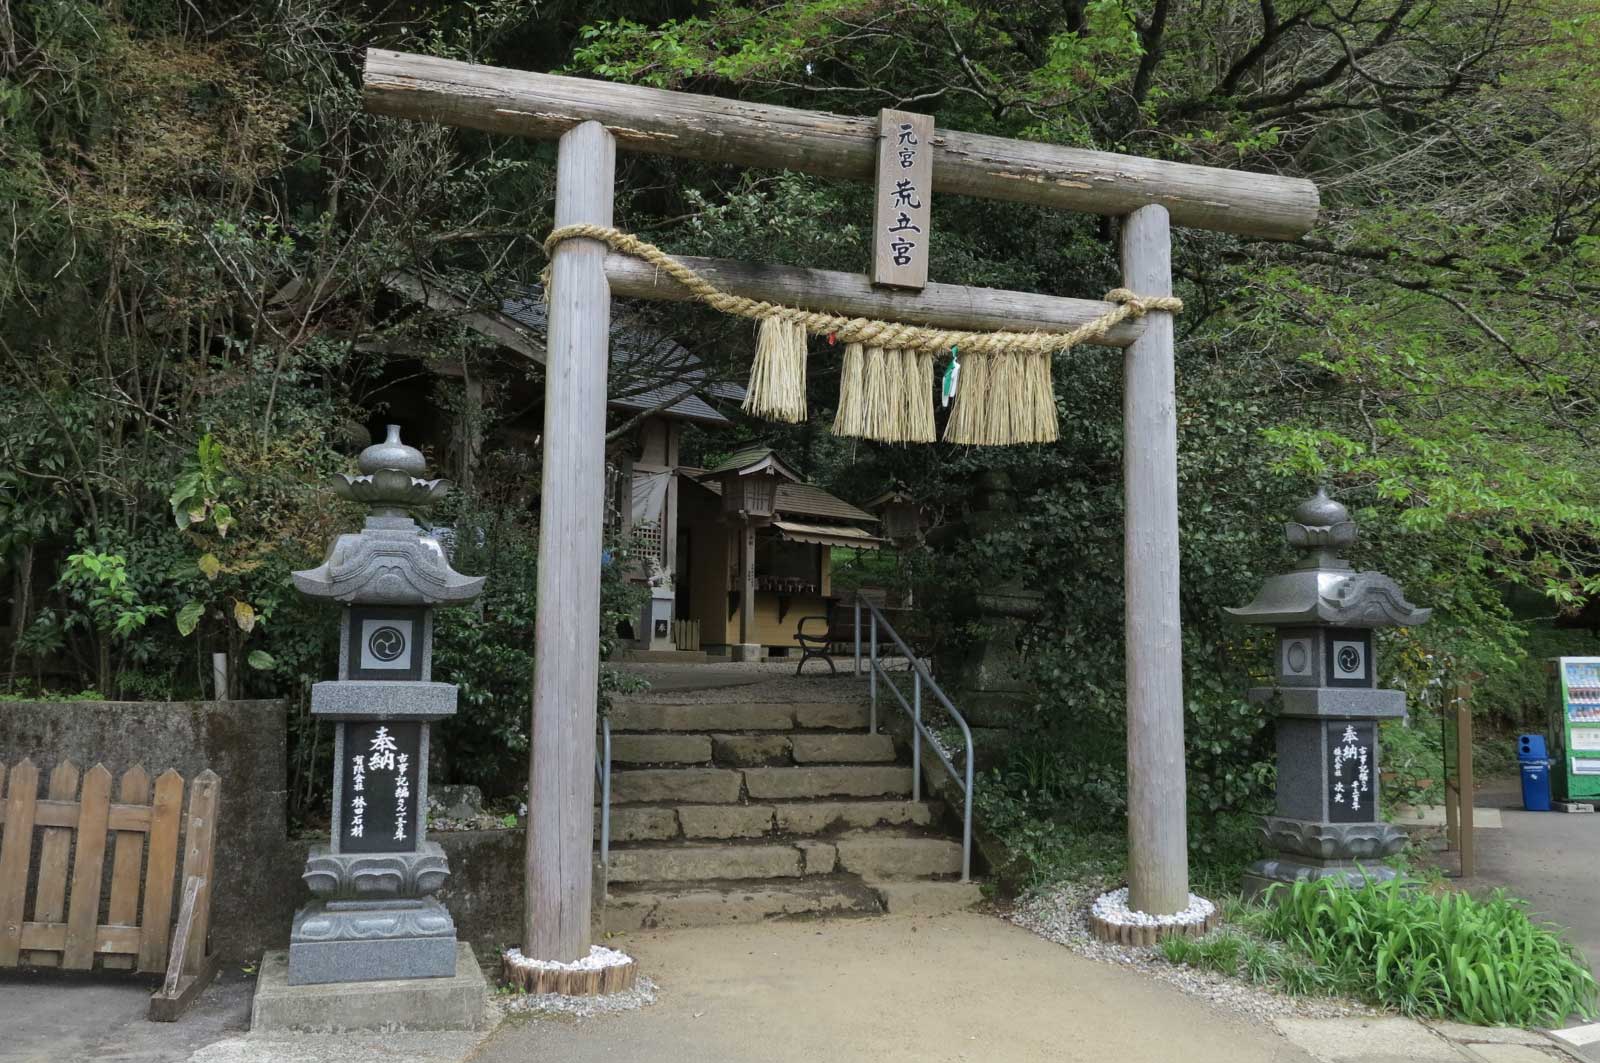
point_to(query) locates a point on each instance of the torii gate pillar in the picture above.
(566, 664)
(1158, 852)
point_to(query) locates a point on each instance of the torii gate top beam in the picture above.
(717, 129)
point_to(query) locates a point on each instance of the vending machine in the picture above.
(1575, 728)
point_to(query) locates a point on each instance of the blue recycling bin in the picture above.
(1535, 764)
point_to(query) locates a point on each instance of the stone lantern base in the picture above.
(1308, 851)
(372, 920)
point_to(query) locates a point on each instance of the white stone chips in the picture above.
(599, 959)
(1113, 907)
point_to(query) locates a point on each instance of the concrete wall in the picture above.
(242, 741)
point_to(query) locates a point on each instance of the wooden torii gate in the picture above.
(591, 118)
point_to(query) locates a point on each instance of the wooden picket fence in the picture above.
(141, 830)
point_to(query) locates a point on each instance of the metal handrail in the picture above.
(920, 676)
(602, 775)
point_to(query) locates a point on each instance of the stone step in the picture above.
(782, 716)
(640, 823)
(803, 782)
(660, 749)
(816, 817)
(921, 897)
(751, 751)
(664, 656)
(700, 863)
(635, 908)
(688, 785)
(773, 750)
(842, 749)
(874, 855)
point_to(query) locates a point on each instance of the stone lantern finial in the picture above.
(390, 560)
(391, 479)
(1321, 528)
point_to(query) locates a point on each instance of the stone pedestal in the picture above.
(1328, 705)
(453, 1001)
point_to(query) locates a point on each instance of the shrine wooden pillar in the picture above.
(571, 512)
(1158, 852)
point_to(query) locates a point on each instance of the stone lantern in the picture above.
(374, 917)
(1328, 703)
(749, 484)
(987, 671)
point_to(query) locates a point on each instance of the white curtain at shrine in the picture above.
(649, 515)
(649, 496)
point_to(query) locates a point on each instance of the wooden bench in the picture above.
(65, 930)
(819, 644)
(839, 630)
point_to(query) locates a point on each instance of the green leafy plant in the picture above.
(197, 493)
(1425, 952)
(99, 582)
(205, 518)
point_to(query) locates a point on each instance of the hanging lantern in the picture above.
(901, 516)
(749, 484)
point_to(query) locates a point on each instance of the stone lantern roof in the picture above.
(1324, 589)
(390, 561)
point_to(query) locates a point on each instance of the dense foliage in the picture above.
(1440, 955)
(199, 319)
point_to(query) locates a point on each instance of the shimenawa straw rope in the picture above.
(1004, 396)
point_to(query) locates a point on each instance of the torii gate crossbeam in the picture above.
(590, 118)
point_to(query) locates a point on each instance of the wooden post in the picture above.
(1464, 782)
(571, 510)
(747, 592)
(1158, 853)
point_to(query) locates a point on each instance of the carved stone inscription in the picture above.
(1352, 772)
(378, 795)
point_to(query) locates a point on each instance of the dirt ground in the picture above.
(962, 987)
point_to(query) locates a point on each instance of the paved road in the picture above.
(53, 1017)
(1552, 860)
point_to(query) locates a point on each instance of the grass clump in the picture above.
(1398, 944)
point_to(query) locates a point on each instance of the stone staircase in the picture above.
(732, 812)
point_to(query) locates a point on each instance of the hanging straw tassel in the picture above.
(1002, 401)
(874, 393)
(777, 389)
(891, 428)
(1039, 400)
(910, 392)
(968, 421)
(922, 427)
(847, 421)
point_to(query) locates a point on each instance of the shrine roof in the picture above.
(653, 367)
(798, 499)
